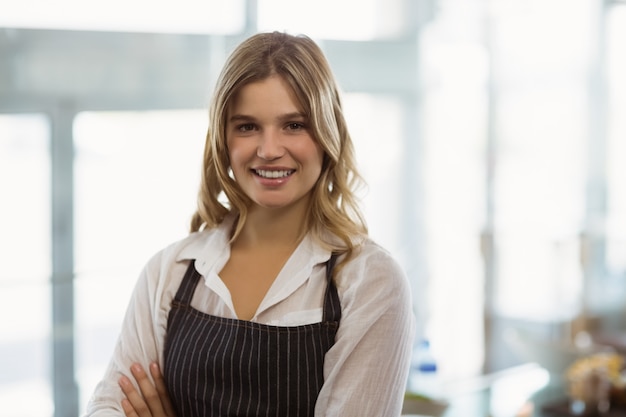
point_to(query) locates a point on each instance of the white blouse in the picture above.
(365, 371)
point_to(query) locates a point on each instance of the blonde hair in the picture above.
(301, 63)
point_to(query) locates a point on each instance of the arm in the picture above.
(153, 400)
(367, 368)
(140, 341)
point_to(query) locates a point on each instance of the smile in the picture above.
(264, 173)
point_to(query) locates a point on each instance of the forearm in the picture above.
(365, 372)
(367, 369)
(107, 398)
(139, 342)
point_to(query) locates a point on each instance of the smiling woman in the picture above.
(299, 308)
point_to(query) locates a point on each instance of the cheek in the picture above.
(236, 154)
(319, 158)
(310, 154)
(236, 165)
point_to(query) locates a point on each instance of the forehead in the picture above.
(273, 93)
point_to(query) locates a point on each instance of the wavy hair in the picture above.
(302, 64)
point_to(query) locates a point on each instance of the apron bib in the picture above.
(216, 366)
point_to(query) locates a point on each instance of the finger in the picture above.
(159, 382)
(148, 391)
(133, 405)
(129, 411)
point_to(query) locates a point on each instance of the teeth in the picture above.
(272, 174)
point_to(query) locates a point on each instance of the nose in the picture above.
(270, 146)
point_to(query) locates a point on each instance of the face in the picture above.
(273, 156)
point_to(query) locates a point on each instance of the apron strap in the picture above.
(188, 285)
(332, 306)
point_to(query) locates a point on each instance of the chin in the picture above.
(283, 202)
(274, 205)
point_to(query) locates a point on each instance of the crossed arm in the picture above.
(377, 323)
(152, 400)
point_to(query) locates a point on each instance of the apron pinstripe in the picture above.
(215, 366)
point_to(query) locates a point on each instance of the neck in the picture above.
(274, 227)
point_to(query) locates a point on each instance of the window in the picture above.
(376, 18)
(378, 146)
(25, 300)
(540, 158)
(614, 288)
(136, 182)
(454, 74)
(182, 16)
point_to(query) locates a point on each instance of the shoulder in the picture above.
(372, 266)
(175, 257)
(373, 285)
(185, 248)
(369, 255)
(163, 272)
(204, 245)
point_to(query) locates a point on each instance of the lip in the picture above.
(283, 175)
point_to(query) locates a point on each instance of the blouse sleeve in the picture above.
(140, 341)
(366, 370)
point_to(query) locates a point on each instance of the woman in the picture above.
(277, 303)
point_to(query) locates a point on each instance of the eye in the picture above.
(295, 126)
(245, 127)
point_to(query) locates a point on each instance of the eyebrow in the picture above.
(283, 117)
(240, 117)
(291, 116)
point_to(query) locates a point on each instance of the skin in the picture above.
(266, 132)
(152, 400)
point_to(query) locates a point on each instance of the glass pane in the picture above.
(540, 166)
(454, 73)
(369, 119)
(25, 219)
(182, 16)
(136, 181)
(26, 266)
(376, 18)
(539, 211)
(616, 154)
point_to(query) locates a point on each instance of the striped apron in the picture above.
(216, 366)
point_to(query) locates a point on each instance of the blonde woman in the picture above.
(277, 303)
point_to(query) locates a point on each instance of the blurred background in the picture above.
(492, 134)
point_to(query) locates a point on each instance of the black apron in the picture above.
(216, 366)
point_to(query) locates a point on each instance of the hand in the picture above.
(153, 400)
